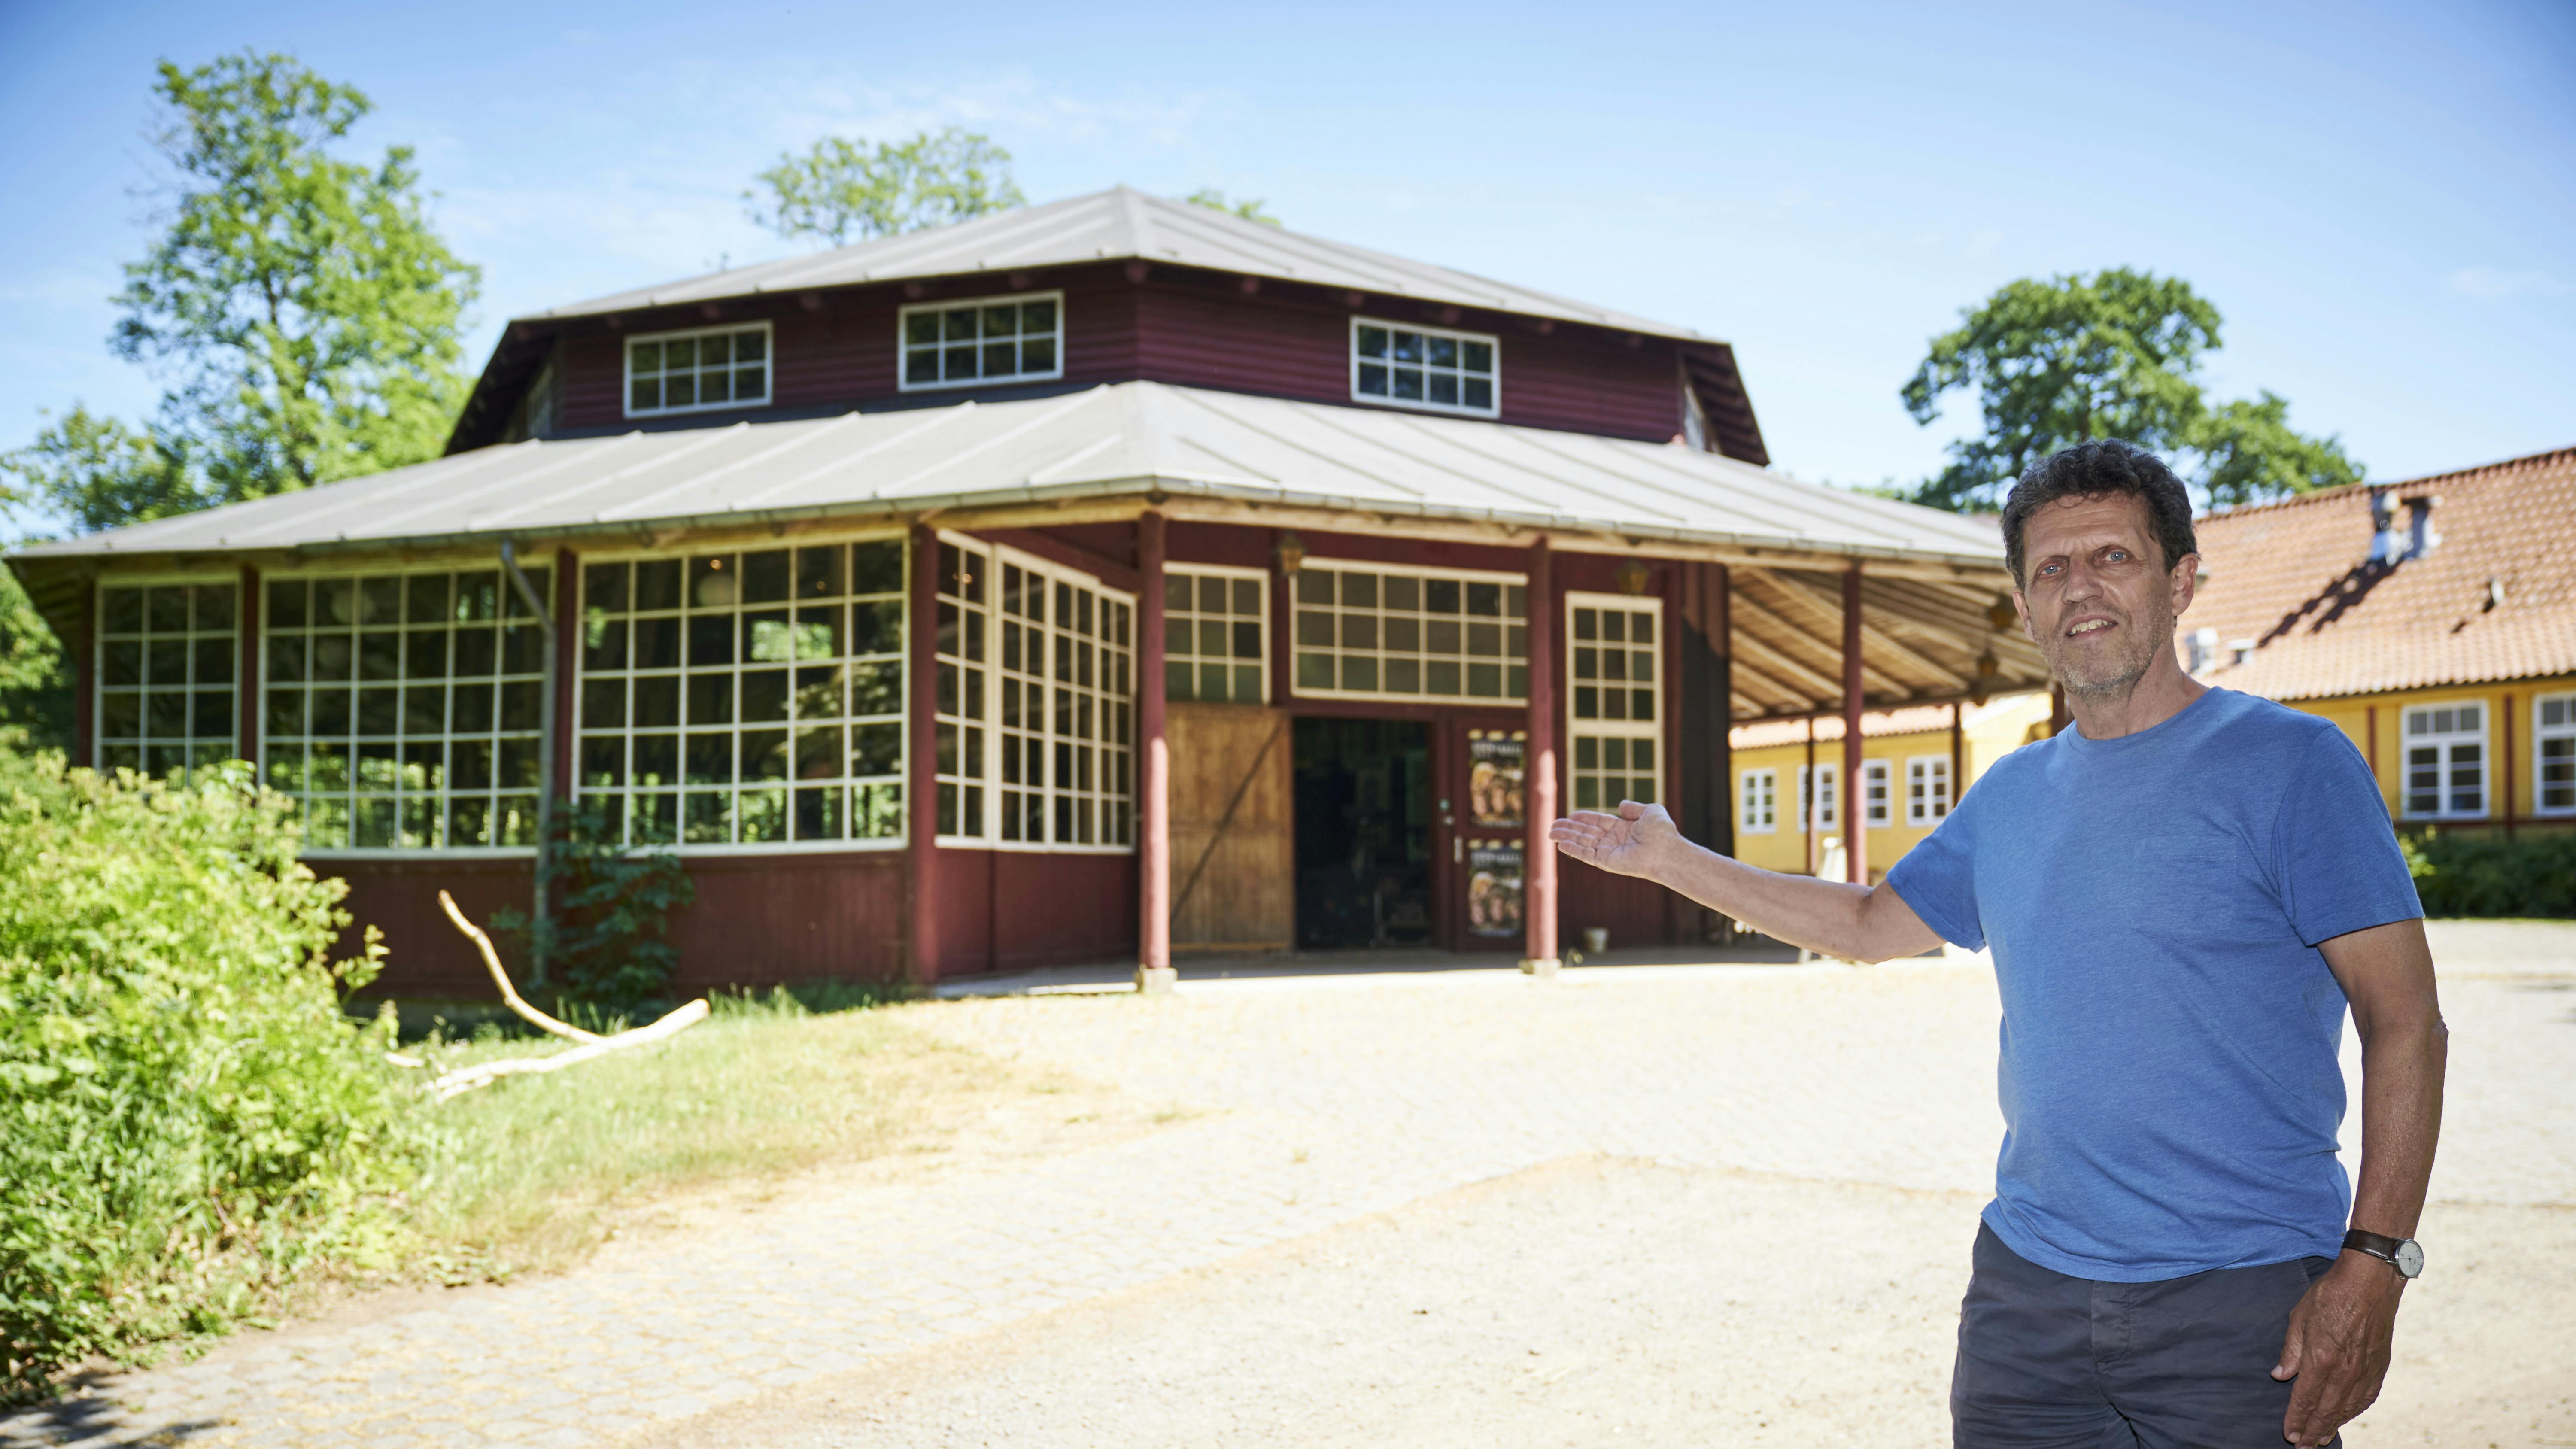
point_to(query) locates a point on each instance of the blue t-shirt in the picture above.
(2154, 902)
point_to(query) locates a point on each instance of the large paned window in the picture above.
(1424, 367)
(1816, 796)
(1365, 632)
(965, 667)
(2446, 762)
(682, 372)
(1927, 789)
(750, 698)
(1876, 812)
(167, 654)
(1216, 634)
(1613, 709)
(403, 710)
(992, 339)
(2553, 754)
(1064, 714)
(1758, 802)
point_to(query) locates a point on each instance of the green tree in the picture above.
(35, 684)
(2059, 362)
(308, 310)
(312, 309)
(2113, 355)
(1249, 208)
(2248, 452)
(843, 191)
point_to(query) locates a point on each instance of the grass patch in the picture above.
(532, 1172)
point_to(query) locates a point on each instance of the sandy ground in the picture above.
(1598, 1300)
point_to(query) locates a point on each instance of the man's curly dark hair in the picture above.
(2090, 470)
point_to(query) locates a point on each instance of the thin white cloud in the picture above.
(2491, 283)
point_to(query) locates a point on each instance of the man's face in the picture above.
(2098, 600)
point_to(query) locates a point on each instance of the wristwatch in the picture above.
(2403, 1254)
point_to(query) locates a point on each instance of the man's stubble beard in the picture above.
(2119, 673)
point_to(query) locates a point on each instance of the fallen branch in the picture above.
(466, 1079)
(501, 978)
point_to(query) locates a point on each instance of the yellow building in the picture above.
(1789, 800)
(2433, 619)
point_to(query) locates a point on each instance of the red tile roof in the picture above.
(2294, 578)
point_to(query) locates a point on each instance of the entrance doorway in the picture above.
(1364, 843)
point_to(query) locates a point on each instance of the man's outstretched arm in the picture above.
(2340, 1334)
(1854, 922)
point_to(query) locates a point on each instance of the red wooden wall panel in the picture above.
(839, 348)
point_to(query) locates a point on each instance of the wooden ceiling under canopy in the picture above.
(1922, 642)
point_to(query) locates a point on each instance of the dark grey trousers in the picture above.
(2052, 1362)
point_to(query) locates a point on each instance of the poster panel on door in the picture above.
(1494, 874)
(1497, 778)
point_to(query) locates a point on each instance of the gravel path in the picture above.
(1705, 1193)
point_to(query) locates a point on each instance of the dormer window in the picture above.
(992, 339)
(686, 372)
(1420, 367)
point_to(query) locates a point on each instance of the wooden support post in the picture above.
(1855, 794)
(1721, 633)
(2057, 712)
(1958, 752)
(246, 669)
(1154, 971)
(1807, 804)
(1538, 857)
(921, 758)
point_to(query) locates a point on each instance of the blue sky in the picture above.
(2381, 200)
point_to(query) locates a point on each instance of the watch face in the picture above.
(2410, 1258)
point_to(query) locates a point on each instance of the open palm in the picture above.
(1624, 844)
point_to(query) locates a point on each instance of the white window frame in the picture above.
(1424, 403)
(2543, 735)
(1113, 791)
(1757, 802)
(144, 740)
(1927, 789)
(1877, 794)
(1602, 734)
(1825, 813)
(584, 730)
(904, 347)
(768, 370)
(2446, 745)
(1509, 622)
(509, 611)
(1233, 663)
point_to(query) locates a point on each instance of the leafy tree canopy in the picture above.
(2113, 355)
(842, 191)
(306, 309)
(1249, 208)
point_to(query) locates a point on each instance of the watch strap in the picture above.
(2378, 1246)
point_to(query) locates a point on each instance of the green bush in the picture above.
(2466, 875)
(188, 1122)
(603, 946)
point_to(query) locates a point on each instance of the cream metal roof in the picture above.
(1117, 439)
(1106, 453)
(1117, 225)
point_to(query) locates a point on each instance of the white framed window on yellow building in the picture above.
(1927, 789)
(1758, 802)
(1877, 810)
(1818, 796)
(2446, 762)
(2553, 754)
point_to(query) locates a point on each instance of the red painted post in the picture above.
(921, 762)
(1538, 857)
(246, 670)
(1855, 788)
(1153, 771)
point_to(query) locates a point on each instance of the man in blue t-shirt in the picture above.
(2183, 894)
